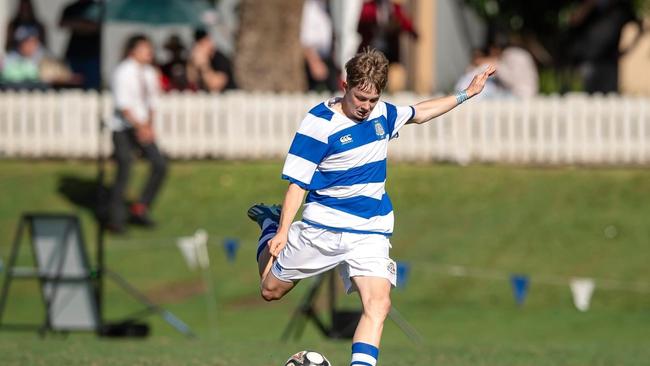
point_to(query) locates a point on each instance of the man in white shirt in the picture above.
(135, 90)
(338, 158)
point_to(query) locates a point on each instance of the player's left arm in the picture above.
(432, 108)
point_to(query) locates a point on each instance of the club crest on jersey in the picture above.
(346, 139)
(379, 130)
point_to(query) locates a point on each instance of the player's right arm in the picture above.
(309, 147)
(290, 206)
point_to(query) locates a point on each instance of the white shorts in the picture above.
(312, 250)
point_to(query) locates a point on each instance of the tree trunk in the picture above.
(269, 56)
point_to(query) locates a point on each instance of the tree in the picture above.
(269, 56)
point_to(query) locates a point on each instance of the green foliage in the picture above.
(642, 6)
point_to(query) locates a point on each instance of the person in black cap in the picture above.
(20, 67)
(25, 17)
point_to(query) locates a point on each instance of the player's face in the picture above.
(358, 103)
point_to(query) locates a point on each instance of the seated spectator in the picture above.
(517, 71)
(492, 89)
(25, 17)
(29, 66)
(21, 65)
(517, 75)
(174, 70)
(207, 68)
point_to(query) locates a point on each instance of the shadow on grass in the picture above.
(85, 193)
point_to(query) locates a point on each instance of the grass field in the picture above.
(547, 223)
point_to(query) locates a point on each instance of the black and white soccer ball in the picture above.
(307, 358)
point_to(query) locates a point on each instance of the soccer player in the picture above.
(338, 158)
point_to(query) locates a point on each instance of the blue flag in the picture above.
(231, 246)
(403, 269)
(519, 287)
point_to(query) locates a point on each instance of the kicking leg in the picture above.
(274, 289)
(264, 258)
(375, 298)
(267, 218)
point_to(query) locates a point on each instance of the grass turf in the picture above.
(547, 223)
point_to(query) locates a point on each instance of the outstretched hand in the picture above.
(479, 80)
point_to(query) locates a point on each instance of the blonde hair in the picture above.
(368, 68)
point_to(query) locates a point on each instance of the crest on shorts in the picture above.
(379, 130)
(391, 267)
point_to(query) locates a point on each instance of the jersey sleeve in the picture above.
(308, 149)
(397, 116)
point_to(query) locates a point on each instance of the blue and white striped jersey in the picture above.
(342, 163)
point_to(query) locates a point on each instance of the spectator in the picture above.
(25, 17)
(135, 90)
(596, 27)
(207, 68)
(21, 65)
(29, 66)
(84, 46)
(380, 25)
(517, 69)
(517, 76)
(492, 88)
(174, 70)
(316, 36)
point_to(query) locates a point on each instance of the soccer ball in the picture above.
(307, 358)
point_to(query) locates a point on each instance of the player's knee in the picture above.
(377, 308)
(271, 291)
(271, 294)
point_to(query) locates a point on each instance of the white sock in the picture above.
(364, 354)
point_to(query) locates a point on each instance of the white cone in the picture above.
(582, 289)
(187, 247)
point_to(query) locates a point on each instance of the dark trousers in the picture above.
(126, 144)
(89, 68)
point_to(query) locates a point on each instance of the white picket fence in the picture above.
(573, 129)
